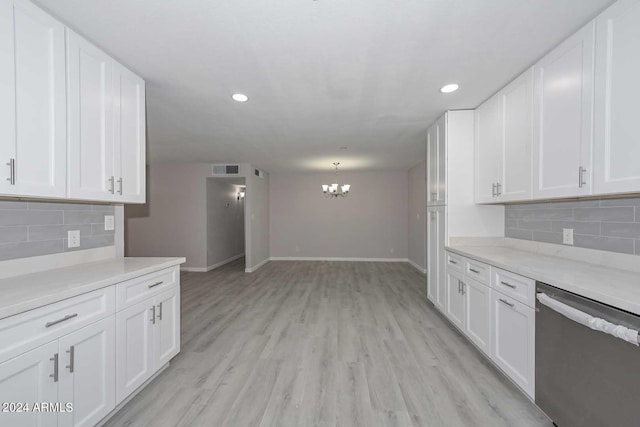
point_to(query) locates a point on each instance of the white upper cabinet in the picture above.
(91, 147)
(503, 143)
(563, 105)
(488, 144)
(617, 90)
(129, 135)
(436, 163)
(517, 101)
(32, 102)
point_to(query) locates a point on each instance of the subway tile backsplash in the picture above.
(605, 224)
(30, 228)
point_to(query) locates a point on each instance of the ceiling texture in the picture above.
(321, 75)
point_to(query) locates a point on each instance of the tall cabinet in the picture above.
(451, 210)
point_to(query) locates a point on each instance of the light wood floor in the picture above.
(322, 344)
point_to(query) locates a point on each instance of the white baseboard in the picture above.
(339, 259)
(223, 262)
(417, 267)
(255, 267)
(194, 269)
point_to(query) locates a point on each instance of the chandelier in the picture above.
(335, 190)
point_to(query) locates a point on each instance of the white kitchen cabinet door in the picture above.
(88, 373)
(441, 226)
(91, 144)
(432, 257)
(488, 143)
(513, 340)
(32, 102)
(563, 117)
(432, 165)
(134, 348)
(28, 378)
(617, 90)
(167, 330)
(129, 135)
(477, 317)
(517, 99)
(455, 302)
(441, 163)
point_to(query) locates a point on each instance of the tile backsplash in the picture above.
(604, 224)
(30, 228)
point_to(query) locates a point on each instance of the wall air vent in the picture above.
(226, 169)
(259, 173)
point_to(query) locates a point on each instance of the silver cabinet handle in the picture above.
(153, 315)
(474, 270)
(12, 171)
(508, 284)
(160, 311)
(463, 291)
(155, 284)
(506, 302)
(120, 185)
(451, 261)
(64, 319)
(72, 358)
(581, 172)
(112, 185)
(459, 281)
(54, 359)
(433, 215)
(498, 189)
(434, 196)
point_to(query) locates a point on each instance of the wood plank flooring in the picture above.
(322, 344)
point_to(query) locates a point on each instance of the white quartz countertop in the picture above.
(26, 292)
(612, 286)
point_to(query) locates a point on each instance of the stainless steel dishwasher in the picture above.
(585, 377)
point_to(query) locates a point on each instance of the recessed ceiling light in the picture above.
(452, 87)
(240, 97)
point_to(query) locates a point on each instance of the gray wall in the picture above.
(173, 222)
(604, 224)
(417, 224)
(30, 228)
(225, 221)
(370, 223)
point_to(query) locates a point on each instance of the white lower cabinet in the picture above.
(28, 378)
(477, 318)
(513, 336)
(148, 338)
(87, 373)
(455, 299)
(501, 326)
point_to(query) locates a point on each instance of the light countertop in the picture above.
(26, 292)
(616, 287)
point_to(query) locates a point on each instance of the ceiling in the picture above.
(361, 74)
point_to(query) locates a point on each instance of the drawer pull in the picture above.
(508, 284)
(451, 261)
(54, 359)
(506, 302)
(155, 284)
(474, 270)
(64, 319)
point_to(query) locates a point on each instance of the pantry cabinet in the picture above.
(32, 102)
(563, 105)
(436, 263)
(617, 90)
(436, 163)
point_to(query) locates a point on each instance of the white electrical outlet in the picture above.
(567, 236)
(73, 238)
(109, 222)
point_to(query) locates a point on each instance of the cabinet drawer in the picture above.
(137, 290)
(25, 331)
(477, 270)
(455, 262)
(517, 287)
